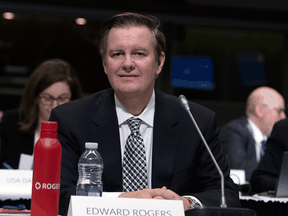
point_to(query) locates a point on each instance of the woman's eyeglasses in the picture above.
(49, 100)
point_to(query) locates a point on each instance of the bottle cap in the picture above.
(49, 126)
(91, 145)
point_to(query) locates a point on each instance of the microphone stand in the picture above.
(213, 211)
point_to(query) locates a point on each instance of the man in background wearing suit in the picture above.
(176, 161)
(243, 139)
(265, 176)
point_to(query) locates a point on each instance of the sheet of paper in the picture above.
(25, 162)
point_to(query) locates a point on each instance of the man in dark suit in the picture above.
(265, 176)
(177, 162)
(243, 139)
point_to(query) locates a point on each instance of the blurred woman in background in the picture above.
(52, 83)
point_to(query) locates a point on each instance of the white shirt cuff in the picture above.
(192, 197)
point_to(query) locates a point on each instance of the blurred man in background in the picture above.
(243, 139)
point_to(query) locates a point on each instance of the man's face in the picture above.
(273, 112)
(130, 62)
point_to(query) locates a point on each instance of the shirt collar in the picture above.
(257, 134)
(146, 116)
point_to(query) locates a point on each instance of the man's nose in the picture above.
(128, 64)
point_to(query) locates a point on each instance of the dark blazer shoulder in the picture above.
(90, 101)
(86, 106)
(172, 102)
(237, 127)
(241, 122)
(169, 106)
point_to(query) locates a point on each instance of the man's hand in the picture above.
(158, 193)
(144, 194)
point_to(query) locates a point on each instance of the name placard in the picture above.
(89, 206)
(15, 184)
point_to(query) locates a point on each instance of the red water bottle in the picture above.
(46, 172)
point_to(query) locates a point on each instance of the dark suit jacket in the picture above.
(239, 145)
(13, 143)
(180, 160)
(265, 176)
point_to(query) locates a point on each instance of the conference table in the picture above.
(262, 205)
(265, 205)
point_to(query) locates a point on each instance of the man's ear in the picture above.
(259, 111)
(104, 66)
(160, 63)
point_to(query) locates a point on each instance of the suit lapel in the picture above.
(165, 141)
(104, 130)
(251, 141)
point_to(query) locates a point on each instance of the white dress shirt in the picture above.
(258, 137)
(146, 130)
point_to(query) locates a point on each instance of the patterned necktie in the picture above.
(134, 161)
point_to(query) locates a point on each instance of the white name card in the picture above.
(90, 206)
(15, 184)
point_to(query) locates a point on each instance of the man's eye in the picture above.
(140, 54)
(116, 54)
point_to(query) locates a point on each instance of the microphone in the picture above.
(223, 210)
